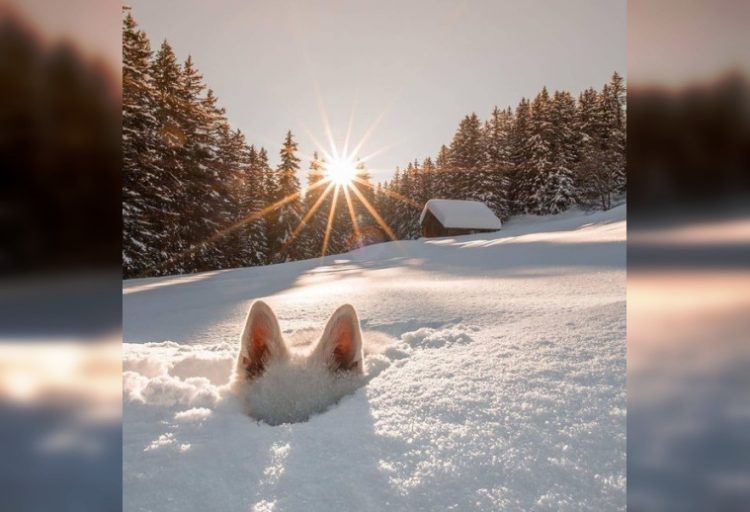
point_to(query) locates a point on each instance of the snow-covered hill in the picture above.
(498, 382)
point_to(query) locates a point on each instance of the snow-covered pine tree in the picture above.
(170, 161)
(288, 215)
(144, 189)
(376, 232)
(467, 158)
(551, 188)
(615, 130)
(495, 183)
(407, 226)
(255, 229)
(226, 245)
(441, 185)
(341, 236)
(428, 181)
(270, 194)
(601, 165)
(389, 209)
(211, 158)
(401, 210)
(520, 155)
(539, 163)
(311, 238)
(564, 151)
(363, 184)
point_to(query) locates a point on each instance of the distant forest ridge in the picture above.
(198, 196)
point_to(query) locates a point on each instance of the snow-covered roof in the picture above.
(453, 213)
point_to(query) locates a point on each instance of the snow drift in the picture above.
(495, 381)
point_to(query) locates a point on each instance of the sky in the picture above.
(404, 71)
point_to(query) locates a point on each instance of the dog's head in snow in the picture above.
(278, 384)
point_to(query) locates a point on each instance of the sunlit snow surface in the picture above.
(497, 381)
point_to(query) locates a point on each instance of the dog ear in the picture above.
(341, 344)
(261, 340)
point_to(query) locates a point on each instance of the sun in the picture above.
(341, 171)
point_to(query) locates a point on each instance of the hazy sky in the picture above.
(418, 65)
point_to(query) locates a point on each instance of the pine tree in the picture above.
(363, 185)
(615, 130)
(390, 204)
(170, 161)
(539, 164)
(521, 174)
(288, 215)
(211, 155)
(142, 183)
(600, 171)
(495, 179)
(270, 194)
(428, 181)
(225, 245)
(564, 152)
(407, 223)
(311, 239)
(256, 229)
(269, 183)
(341, 237)
(441, 183)
(466, 158)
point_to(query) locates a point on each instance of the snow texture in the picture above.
(494, 378)
(454, 213)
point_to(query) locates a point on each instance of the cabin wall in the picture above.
(431, 228)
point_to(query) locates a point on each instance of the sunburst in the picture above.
(340, 176)
(341, 171)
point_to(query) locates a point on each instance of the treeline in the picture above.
(198, 196)
(548, 154)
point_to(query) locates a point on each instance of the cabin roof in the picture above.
(453, 213)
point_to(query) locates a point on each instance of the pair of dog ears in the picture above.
(340, 346)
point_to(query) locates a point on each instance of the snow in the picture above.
(453, 213)
(495, 378)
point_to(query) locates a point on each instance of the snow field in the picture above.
(495, 378)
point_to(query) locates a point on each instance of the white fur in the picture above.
(296, 384)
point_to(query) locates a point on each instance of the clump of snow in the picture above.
(427, 337)
(167, 390)
(455, 213)
(495, 379)
(290, 393)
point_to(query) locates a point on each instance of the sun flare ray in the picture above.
(352, 215)
(374, 213)
(391, 193)
(245, 220)
(329, 225)
(314, 208)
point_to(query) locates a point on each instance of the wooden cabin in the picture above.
(452, 217)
